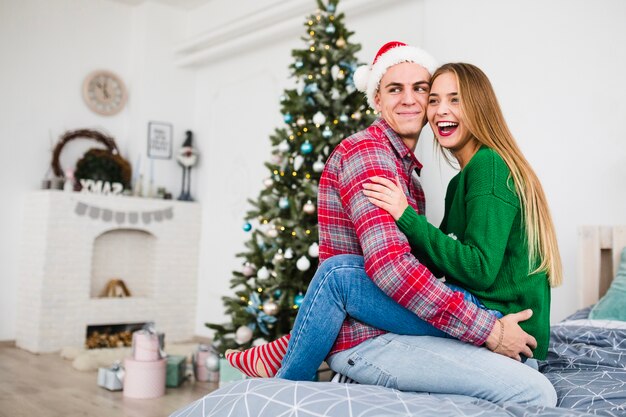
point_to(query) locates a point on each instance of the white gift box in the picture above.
(111, 378)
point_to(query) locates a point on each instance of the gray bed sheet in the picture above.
(587, 366)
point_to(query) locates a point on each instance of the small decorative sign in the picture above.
(100, 187)
(159, 140)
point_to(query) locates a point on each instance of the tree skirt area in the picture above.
(92, 359)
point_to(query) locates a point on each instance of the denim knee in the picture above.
(540, 391)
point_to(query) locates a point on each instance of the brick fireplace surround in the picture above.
(73, 243)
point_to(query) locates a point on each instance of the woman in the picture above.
(496, 239)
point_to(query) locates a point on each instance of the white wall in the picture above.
(47, 47)
(556, 66)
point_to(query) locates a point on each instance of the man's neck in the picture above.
(410, 143)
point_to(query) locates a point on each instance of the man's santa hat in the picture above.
(367, 77)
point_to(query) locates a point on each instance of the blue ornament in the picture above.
(288, 118)
(283, 203)
(306, 148)
(298, 299)
(310, 88)
(330, 29)
(331, 8)
(327, 133)
(343, 118)
(310, 101)
(298, 64)
(277, 293)
(247, 227)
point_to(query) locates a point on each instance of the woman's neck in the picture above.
(465, 154)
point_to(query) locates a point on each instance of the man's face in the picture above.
(401, 99)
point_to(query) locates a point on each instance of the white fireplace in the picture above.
(74, 243)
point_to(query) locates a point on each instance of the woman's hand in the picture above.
(386, 195)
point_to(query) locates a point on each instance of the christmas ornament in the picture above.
(260, 341)
(283, 203)
(298, 64)
(314, 250)
(311, 88)
(330, 29)
(272, 232)
(282, 97)
(263, 273)
(357, 115)
(213, 362)
(331, 7)
(278, 256)
(248, 270)
(263, 320)
(327, 133)
(306, 148)
(341, 42)
(309, 207)
(334, 71)
(343, 118)
(318, 166)
(283, 146)
(319, 118)
(297, 162)
(277, 293)
(289, 253)
(300, 121)
(243, 335)
(270, 307)
(303, 263)
(334, 94)
(298, 299)
(323, 60)
(247, 227)
(288, 118)
(268, 182)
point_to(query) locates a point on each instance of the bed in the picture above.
(586, 363)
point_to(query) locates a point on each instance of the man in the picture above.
(397, 86)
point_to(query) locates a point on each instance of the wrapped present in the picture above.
(176, 367)
(206, 364)
(228, 373)
(111, 378)
(148, 344)
(144, 379)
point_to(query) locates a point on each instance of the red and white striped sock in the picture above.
(260, 361)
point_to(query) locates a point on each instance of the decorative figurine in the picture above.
(187, 157)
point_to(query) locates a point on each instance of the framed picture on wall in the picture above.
(159, 140)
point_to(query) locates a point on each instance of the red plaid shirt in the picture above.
(350, 224)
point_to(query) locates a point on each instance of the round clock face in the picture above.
(104, 93)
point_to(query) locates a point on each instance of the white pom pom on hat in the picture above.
(367, 77)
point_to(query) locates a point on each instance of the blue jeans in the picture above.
(403, 359)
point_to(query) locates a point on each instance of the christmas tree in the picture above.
(281, 256)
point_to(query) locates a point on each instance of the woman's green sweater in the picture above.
(481, 244)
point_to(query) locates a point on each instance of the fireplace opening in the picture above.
(126, 258)
(111, 335)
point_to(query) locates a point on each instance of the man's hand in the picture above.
(515, 341)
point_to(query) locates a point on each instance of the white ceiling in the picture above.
(182, 4)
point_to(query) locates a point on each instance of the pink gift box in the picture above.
(144, 379)
(146, 346)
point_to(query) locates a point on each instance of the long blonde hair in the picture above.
(484, 120)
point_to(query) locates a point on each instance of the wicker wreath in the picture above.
(97, 164)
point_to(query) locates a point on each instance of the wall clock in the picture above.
(104, 92)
